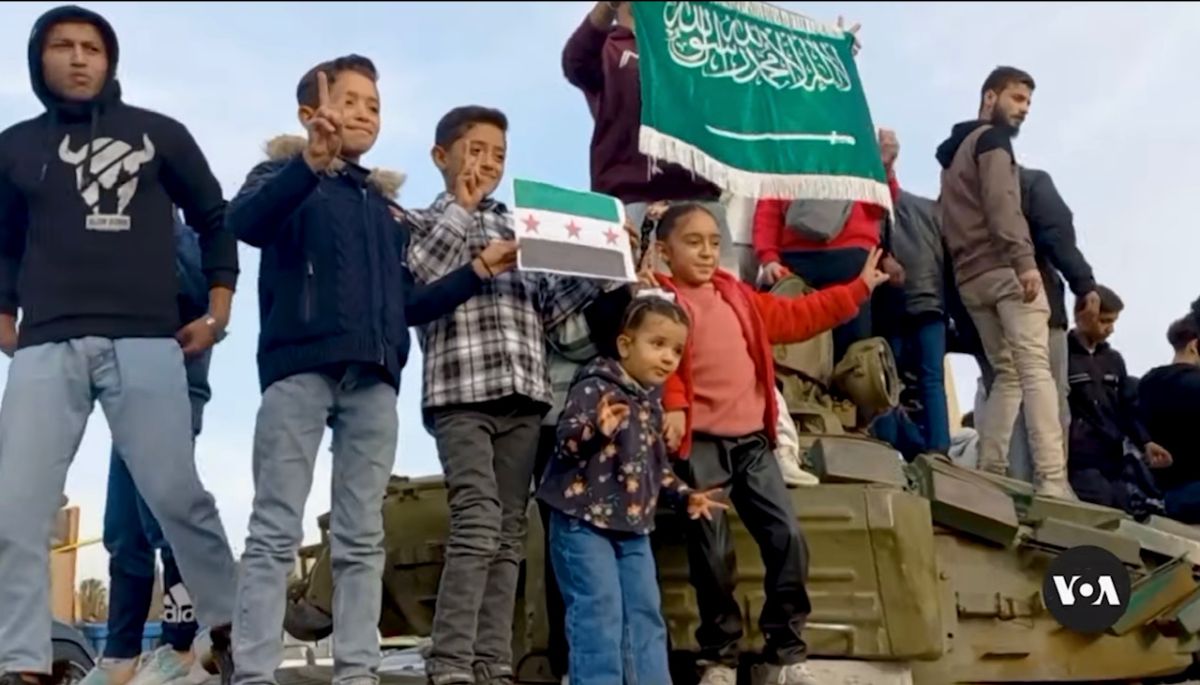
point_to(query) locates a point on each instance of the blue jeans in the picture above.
(922, 348)
(51, 391)
(131, 536)
(360, 408)
(615, 628)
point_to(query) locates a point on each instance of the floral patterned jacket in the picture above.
(612, 483)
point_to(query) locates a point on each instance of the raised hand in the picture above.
(871, 274)
(324, 129)
(704, 504)
(853, 30)
(468, 188)
(610, 414)
(499, 256)
(889, 146)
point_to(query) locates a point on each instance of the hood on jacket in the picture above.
(110, 92)
(610, 370)
(287, 146)
(949, 146)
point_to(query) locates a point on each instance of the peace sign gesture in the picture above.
(324, 129)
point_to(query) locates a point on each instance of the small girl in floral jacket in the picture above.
(603, 485)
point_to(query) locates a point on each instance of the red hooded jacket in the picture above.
(767, 320)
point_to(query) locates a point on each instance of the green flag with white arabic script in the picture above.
(761, 101)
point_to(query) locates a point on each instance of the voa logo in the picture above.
(1086, 589)
(1104, 591)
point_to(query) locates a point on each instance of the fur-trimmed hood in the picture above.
(287, 146)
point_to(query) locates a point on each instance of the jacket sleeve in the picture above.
(1132, 425)
(887, 223)
(561, 297)
(440, 247)
(769, 223)
(14, 219)
(578, 430)
(191, 185)
(674, 397)
(1053, 232)
(582, 57)
(673, 489)
(792, 320)
(428, 302)
(1001, 198)
(268, 198)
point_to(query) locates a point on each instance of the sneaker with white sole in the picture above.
(102, 672)
(162, 666)
(719, 675)
(795, 674)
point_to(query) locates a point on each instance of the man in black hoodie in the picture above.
(87, 254)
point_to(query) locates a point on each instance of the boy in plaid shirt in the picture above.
(485, 391)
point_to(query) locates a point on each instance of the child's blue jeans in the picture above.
(615, 629)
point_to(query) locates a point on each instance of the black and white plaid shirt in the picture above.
(494, 345)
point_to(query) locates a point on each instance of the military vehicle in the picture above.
(925, 564)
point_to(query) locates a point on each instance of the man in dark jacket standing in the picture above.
(914, 316)
(87, 253)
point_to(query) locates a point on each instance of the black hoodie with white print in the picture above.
(87, 191)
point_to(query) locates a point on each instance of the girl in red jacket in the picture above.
(721, 417)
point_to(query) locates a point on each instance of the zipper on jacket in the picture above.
(379, 327)
(309, 284)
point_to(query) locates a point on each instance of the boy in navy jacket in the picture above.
(336, 300)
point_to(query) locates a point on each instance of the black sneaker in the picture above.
(219, 660)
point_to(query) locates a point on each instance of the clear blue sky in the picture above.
(1111, 120)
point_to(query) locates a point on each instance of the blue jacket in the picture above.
(333, 285)
(193, 284)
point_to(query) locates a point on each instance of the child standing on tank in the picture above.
(603, 485)
(721, 417)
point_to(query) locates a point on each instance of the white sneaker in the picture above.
(102, 672)
(796, 674)
(162, 666)
(719, 675)
(1059, 489)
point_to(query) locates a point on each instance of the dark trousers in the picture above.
(131, 537)
(823, 268)
(487, 452)
(747, 468)
(555, 608)
(1097, 487)
(920, 350)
